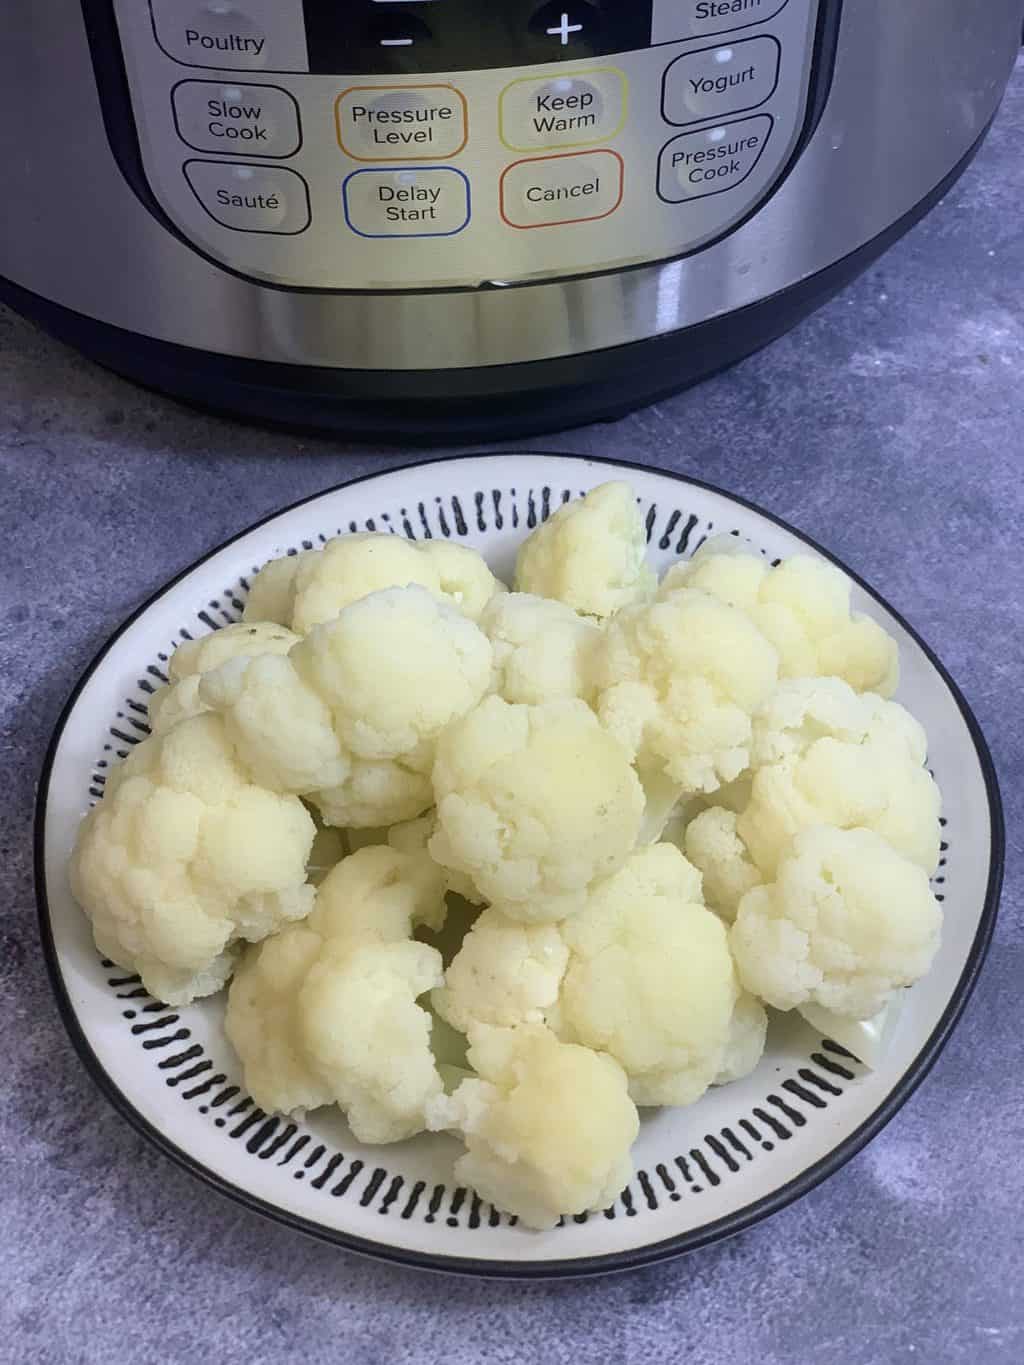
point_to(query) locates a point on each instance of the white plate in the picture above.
(703, 1172)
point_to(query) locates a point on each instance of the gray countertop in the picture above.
(889, 427)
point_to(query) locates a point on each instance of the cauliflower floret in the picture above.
(351, 715)
(180, 698)
(414, 836)
(680, 679)
(543, 650)
(712, 844)
(846, 922)
(505, 973)
(325, 1012)
(184, 856)
(589, 554)
(305, 590)
(748, 1033)
(650, 979)
(548, 1128)
(535, 804)
(822, 755)
(803, 606)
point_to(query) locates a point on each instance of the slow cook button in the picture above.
(674, 19)
(721, 80)
(252, 35)
(257, 120)
(572, 109)
(251, 198)
(413, 201)
(694, 165)
(547, 190)
(401, 123)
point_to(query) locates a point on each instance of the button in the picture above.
(398, 30)
(566, 24)
(250, 198)
(257, 35)
(410, 201)
(401, 122)
(547, 190)
(256, 120)
(675, 19)
(712, 161)
(721, 80)
(572, 109)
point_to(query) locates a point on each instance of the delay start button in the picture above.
(570, 109)
(256, 120)
(401, 122)
(546, 191)
(406, 201)
(712, 160)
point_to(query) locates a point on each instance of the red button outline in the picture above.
(561, 222)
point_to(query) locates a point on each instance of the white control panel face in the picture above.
(398, 179)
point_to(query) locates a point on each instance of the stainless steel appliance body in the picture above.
(441, 217)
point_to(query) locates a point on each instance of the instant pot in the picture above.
(443, 218)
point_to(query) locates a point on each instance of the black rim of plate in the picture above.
(577, 1267)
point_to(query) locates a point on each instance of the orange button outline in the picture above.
(403, 155)
(561, 222)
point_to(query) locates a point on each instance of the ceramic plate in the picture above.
(702, 1173)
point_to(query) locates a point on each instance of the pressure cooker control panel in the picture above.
(378, 144)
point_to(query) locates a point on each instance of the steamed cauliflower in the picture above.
(589, 554)
(535, 804)
(505, 973)
(679, 681)
(548, 1126)
(845, 923)
(650, 980)
(821, 754)
(180, 698)
(305, 590)
(326, 1012)
(350, 717)
(184, 857)
(543, 650)
(803, 606)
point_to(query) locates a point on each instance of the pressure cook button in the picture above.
(406, 201)
(251, 198)
(250, 35)
(675, 19)
(713, 160)
(545, 191)
(401, 123)
(256, 120)
(572, 109)
(722, 80)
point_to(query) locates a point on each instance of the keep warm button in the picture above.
(578, 187)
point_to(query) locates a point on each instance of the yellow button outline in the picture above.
(561, 75)
(403, 155)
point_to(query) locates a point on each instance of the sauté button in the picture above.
(674, 19)
(401, 122)
(221, 116)
(250, 35)
(713, 160)
(548, 190)
(570, 109)
(722, 80)
(251, 198)
(406, 201)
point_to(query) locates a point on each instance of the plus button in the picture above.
(564, 29)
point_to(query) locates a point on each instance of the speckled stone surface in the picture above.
(891, 427)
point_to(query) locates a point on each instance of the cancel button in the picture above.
(548, 190)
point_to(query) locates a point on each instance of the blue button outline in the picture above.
(393, 170)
